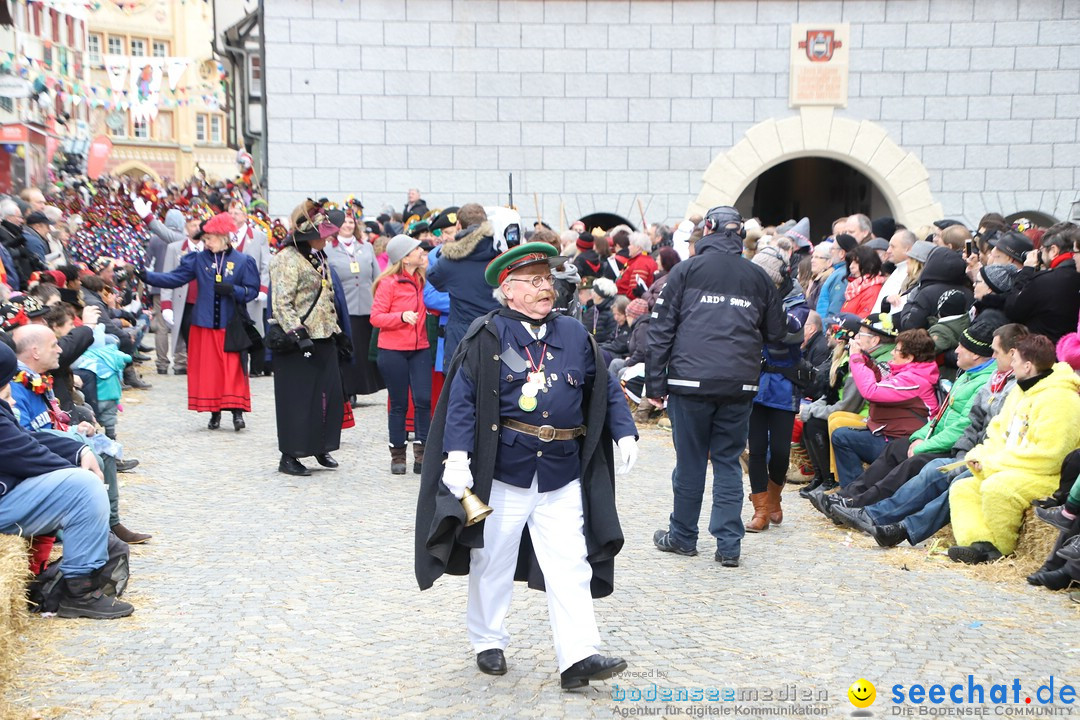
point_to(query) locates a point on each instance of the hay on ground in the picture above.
(14, 573)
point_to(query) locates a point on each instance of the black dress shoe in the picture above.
(326, 461)
(1056, 517)
(1051, 579)
(238, 421)
(594, 667)
(291, 466)
(491, 662)
(163, 371)
(889, 535)
(181, 371)
(854, 518)
(126, 465)
(813, 485)
(215, 421)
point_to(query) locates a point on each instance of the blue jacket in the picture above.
(568, 364)
(832, 292)
(211, 310)
(459, 271)
(35, 242)
(25, 454)
(439, 302)
(775, 390)
(9, 268)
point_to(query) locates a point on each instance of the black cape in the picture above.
(443, 543)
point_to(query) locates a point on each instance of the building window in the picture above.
(215, 129)
(116, 45)
(200, 128)
(161, 48)
(93, 44)
(54, 21)
(254, 76)
(164, 124)
(118, 130)
(138, 47)
(140, 129)
(7, 104)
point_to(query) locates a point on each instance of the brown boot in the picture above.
(760, 521)
(776, 514)
(397, 460)
(418, 456)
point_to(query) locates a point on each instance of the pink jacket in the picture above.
(900, 401)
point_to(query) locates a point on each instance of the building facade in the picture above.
(157, 53)
(915, 108)
(42, 73)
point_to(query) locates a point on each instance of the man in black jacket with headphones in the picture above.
(709, 325)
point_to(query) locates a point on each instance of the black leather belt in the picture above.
(546, 433)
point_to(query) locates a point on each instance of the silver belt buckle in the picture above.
(546, 433)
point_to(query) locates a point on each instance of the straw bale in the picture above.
(14, 573)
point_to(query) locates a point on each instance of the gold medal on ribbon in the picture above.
(526, 403)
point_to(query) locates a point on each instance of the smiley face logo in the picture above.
(862, 693)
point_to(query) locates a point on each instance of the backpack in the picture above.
(46, 590)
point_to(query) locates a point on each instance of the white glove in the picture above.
(261, 298)
(804, 413)
(628, 448)
(167, 316)
(142, 207)
(457, 477)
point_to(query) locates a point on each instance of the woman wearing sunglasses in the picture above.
(309, 307)
(404, 358)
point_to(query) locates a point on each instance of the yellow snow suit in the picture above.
(1020, 460)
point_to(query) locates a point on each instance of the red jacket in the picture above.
(642, 266)
(395, 295)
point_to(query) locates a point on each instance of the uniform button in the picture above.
(509, 378)
(539, 453)
(494, 427)
(545, 413)
(494, 357)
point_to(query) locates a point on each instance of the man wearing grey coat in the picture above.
(161, 236)
(251, 240)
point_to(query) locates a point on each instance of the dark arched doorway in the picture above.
(814, 187)
(1040, 219)
(605, 221)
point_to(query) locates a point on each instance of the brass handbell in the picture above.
(475, 509)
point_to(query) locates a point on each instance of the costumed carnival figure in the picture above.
(526, 420)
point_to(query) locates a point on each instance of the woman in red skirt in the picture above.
(226, 280)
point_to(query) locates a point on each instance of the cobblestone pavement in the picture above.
(267, 596)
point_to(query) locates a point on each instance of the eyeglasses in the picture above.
(536, 280)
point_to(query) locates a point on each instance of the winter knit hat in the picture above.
(952, 303)
(847, 242)
(772, 263)
(637, 308)
(585, 242)
(400, 246)
(883, 227)
(604, 288)
(978, 336)
(999, 278)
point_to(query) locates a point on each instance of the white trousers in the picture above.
(557, 527)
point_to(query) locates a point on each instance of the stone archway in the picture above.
(135, 169)
(818, 132)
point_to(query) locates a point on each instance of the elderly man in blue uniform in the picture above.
(528, 401)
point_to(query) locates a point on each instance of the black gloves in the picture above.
(141, 274)
(303, 340)
(223, 289)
